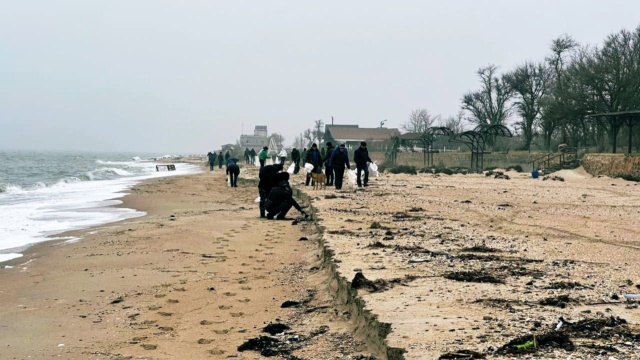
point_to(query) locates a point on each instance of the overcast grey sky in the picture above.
(183, 76)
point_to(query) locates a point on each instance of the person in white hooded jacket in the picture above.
(283, 156)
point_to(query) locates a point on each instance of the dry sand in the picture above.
(194, 279)
(417, 229)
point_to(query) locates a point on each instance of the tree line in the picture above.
(552, 98)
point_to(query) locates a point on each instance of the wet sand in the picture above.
(194, 279)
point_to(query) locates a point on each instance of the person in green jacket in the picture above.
(263, 156)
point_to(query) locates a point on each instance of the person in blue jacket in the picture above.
(338, 161)
(314, 158)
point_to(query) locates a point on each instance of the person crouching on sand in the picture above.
(281, 199)
(233, 170)
(268, 179)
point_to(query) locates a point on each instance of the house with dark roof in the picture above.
(352, 135)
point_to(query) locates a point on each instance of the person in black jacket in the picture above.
(361, 158)
(233, 170)
(314, 158)
(338, 161)
(281, 199)
(295, 157)
(212, 160)
(268, 179)
(252, 156)
(328, 170)
(220, 159)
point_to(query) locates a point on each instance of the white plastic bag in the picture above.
(291, 168)
(373, 170)
(229, 180)
(257, 200)
(351, 177)
(308, 168)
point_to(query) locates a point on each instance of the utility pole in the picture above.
(382, 122)
(332, 120)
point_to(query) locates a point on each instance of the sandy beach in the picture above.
(474, 262)
(442, 266)
(196, 278)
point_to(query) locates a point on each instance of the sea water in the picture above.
(43, 194)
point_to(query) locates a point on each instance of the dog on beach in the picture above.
(318, 180)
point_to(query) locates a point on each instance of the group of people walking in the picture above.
(332, 160)
(276, 194)
(219, 158)
(232, 168)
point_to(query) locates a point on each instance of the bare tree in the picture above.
(490, 104)
(555, 105)
(529, 83)
(318, 131)
(454, 123)
(300, 142)
(419, 121)
(278, 139)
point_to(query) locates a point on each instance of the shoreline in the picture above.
(125, 199)
(197, 284)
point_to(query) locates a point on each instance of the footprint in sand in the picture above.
(160, 295)
(154, 307)
(229, 294)
(216, 352)
(149, 346)
(149, 322)
(224, 307)
(164, 313)
(206, 322)
(165, 328)
(246, 288)
(245, 300)
(138, 339)
(238, 314)
(172, 301)
(204, 341)
(221, 332)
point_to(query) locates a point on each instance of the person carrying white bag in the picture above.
(361, 158)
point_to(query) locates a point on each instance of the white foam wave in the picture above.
(10, 188)
(7, 257)
(27, 217)
(107, 173)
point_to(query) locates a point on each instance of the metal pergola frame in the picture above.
(425, 140)
(476, 140)
(618, 119)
